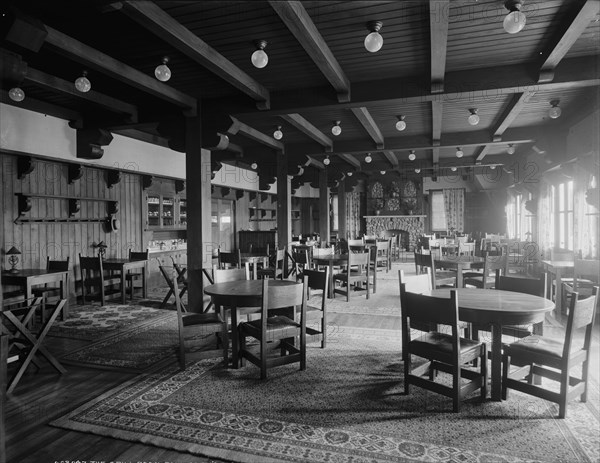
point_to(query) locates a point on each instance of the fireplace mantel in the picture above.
(414, 225)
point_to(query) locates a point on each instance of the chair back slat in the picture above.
(230, 274)
(425, 308)
(535, 287)
(317, 279)
(229, 258)
(133, 255)
(419, 284)
(59, 265)
(90, 263)
(582, 311)
(277, 297)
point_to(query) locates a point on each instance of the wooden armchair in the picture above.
(95, 284)
(132, 277)
(229, 259)
(424, 260)
(276, 269)
(317, 281)
(443, 352)
(493, 267)
(554, 359)
(358, 271)
(277, 332)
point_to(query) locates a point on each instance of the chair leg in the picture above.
(406, 373)
(484, 373)
(323, 332)
(584, 378)
(505, 368)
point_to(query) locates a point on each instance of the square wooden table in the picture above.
(27, 278)
(123, 266)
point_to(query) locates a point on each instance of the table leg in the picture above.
(331, 281)
(459, 277)
(558, 297)
(145, 281)
(234, 338)
(123, 288)
(496, 362)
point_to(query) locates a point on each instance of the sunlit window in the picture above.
(438, 211)
(563, 203)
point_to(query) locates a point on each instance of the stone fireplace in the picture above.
(414, 225)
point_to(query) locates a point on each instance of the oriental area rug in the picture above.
(347, 406)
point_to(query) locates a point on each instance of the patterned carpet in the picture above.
(346, 407)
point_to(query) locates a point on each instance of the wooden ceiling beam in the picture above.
(300, 123)
(153, 18)
(466, 85)
(439, 14)
(563, 42)
(241, 128)
(350, 160)
(510, 113)
(437, 111)
(297, 20)
(99, 61)
(482, 152)
(57, 84)
(42, 107)
(137, 134)
(391, 157)
(367, 121)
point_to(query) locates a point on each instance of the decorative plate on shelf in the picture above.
(393, 204)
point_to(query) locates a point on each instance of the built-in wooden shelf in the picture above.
(24, 205)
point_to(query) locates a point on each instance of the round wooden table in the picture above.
(232, 296)
(496, 308)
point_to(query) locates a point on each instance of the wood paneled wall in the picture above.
(58, 240)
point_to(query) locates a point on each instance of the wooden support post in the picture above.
(3, 368)
(323, 207)
(284, 207)
(199, 239)
(342, 232)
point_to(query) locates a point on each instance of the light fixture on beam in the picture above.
(374, 41)
(162, 71)
(254, 166)
(492, 166)
(515, 20)
(511, 149)
(382, 172)
(412, 156)
(260, 58)
(453, 168)
(459, 153)
(278, 134)
(349, 174)
(82, 83)
(368, 158)
(327, 161)
(417, 171)
(16, 94)
(336, 129)
(554, 112)
(401, 124)
(473, 117)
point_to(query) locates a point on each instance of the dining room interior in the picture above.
(267, 231)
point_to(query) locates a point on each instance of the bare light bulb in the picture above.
(459, 153)
(16, 94)
(336, 129)
(511, 149)
(417, 171)
(162, 71)
(515, 20)
(349, 174)
(368, 158)
(412, 156)
(326, 161)
(492, 167)
(453, 169)
(473, 117)
(259, 57)
(278, 134)
(554, 112)
(82, 83)
(254, 166)
(401, 124)
(382, 172)
(374, 41)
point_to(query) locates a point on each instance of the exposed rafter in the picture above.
(43, 107)
(350, 160)
(297, 20)
(47, 81)
(482, 152)
(391, 157)
(307, 128)
(512, 110)
(437, 111)
(367, 121)
(164, 26)
(439, 14)
(249, 132)
(563, 42)
(95, 59)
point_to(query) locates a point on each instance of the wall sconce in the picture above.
(401, 124)
(82, 83)
(368, 158)
(459, 153)
(473, 117)
(412, 156)
(16, 94)
(162, 71)
(515, 20)
(374, 41)
(511, 149)
(13, 260)
(260, 58)
(101, 246)
(278, 134)
(326, 161)
(554, 112)
(336, 129)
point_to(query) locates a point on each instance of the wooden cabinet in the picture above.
(258, 239)
(164, 208)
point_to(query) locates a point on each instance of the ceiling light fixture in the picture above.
(401, 124)
(492, 166)
(162, 71)
(82, 83)
(412, 156)
(374, 41)
(473, 117)
(368, 158)
(254, 166)
(417, 171)
(278, 134)
(349, 174)
(259, 57)
(459, 153)
(336, 129)
(326, 161)
(16, 94)
(515, 20)
(382, 172)
(511, 149)
(554, 112)
(453, 168)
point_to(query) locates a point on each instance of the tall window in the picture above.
(438, 211)
(563, 204)
(518, 218)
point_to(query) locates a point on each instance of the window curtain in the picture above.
(585, 220)
(545, 218)
(454, 202)
(352, 215)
